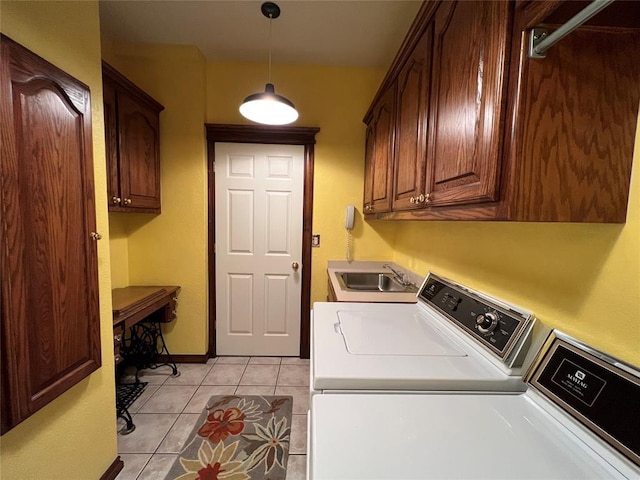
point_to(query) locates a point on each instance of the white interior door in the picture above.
(259, 200)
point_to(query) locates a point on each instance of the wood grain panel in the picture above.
(383, 153)
(139, 156)
(52, 188)
(380, 138)
(369, 149)
(411, 125)
(114, 197)
(467, 96)
(580, 112)
(50, 316)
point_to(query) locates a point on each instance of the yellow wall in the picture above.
(119, 246)
(74, 437)
(170, 248)
(581, 278)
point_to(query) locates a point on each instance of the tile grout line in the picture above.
(278, 378)
(235, 391)
(145, 466)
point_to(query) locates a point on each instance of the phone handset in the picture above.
(348, 223)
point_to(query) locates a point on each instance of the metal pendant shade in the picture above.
(268, 107)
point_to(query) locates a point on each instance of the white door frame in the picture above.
(267, 135)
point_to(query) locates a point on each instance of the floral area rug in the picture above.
(238, 437)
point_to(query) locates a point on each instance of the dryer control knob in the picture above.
(487, 323)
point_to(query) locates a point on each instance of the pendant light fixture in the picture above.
(268, 107)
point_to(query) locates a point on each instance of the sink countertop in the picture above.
(334, 266)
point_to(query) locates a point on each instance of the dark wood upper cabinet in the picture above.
(414, 81)
(511, 137)
(467, 101)
(379, 154)
(50, 336)
(132, 131)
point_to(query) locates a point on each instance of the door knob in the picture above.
(295, 266)
(95, 236)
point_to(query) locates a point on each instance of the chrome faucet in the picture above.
(400, 277)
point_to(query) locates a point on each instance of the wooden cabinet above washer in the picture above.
(132, 131)
(483, 132)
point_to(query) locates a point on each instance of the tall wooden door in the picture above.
(48, 261)
(259, 204)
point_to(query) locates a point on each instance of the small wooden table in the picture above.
(135, 303)
(138, 311)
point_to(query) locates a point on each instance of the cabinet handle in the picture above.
(420, 198)
(127, 201)
(412, 199)
(118, 338)
(116, 200)
(175, 299)
(117, 358)
(95, 236)
(427, 198)
(174, 312)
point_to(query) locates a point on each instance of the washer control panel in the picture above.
(495, 326)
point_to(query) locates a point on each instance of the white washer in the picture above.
(452, 339)
(577, 420)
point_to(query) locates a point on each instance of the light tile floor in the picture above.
(168, 408)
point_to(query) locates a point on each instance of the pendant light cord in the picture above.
(270, 21)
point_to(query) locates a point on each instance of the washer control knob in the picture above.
(488, 322)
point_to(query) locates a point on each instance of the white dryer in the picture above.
(578, 419)
(452, 339)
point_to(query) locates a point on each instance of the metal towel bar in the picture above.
(539, 41)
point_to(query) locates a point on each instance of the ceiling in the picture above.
(313, 32)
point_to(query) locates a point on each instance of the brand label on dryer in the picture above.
(578, 381)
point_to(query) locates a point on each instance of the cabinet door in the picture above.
(111, 142)
(467, 101)
(139, 132)
(50, 318)
(411, 126)
(368, 169)
(379, 155)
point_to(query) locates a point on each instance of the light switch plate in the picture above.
(315, 240)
